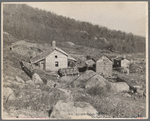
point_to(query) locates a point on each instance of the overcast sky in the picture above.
(124, 16)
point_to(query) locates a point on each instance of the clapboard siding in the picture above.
(104, 66)
(51, 59)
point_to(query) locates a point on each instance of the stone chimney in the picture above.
(54, 44)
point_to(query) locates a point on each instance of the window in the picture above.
(56, 63)
(56, 56)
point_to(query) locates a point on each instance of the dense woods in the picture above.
(25, 22)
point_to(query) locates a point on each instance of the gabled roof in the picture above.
(90, 62)
(45, 54)
(111, 57)
(100, 59)
(119, 58)
(71, 58)
(96, 58)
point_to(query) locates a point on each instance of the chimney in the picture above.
(54, 44)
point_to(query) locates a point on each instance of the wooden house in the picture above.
(51, 60)
(90, 64)
(104, 66)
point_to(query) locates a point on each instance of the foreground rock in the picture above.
(120, 87)
(96, 80)
(36, 79)
(8, 94)
(19, 79)
(73, 110)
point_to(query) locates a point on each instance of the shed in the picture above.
(104, 66)
(117, 62)
(89, 63)
(52, 60)
(72, 62)
(121, 62)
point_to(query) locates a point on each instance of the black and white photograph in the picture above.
(74, 60)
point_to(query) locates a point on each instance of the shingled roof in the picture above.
(71, 58)
(97, 57)
(90, 62)
(45, 54)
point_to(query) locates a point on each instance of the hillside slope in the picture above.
(25, 22)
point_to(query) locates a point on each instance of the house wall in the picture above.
(125, 63)
(51, 60)
(42, 64)
(104, 66)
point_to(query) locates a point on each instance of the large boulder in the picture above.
(67, 79)
(72, 110)
(8, 94)
(88, 74)
(96, 80)
(90, 79)
(36, 79)
(83, 78)
(120, 87)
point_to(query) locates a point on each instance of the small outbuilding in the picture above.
(104, 66)
(121, 62)
(90, 64)
(72, 62)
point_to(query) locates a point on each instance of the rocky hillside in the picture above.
(24, 22)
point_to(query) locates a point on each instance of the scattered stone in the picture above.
(37, 86)
(8, 94)
(22, 116)
(36, 79)
(137, 87)
(13, 82)
(6, 33)
(38, 91)
(19, 79)
(127, 95)
(30, 82)
(50, 83)
(9, 77)
(140, 92)
(7, 84)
